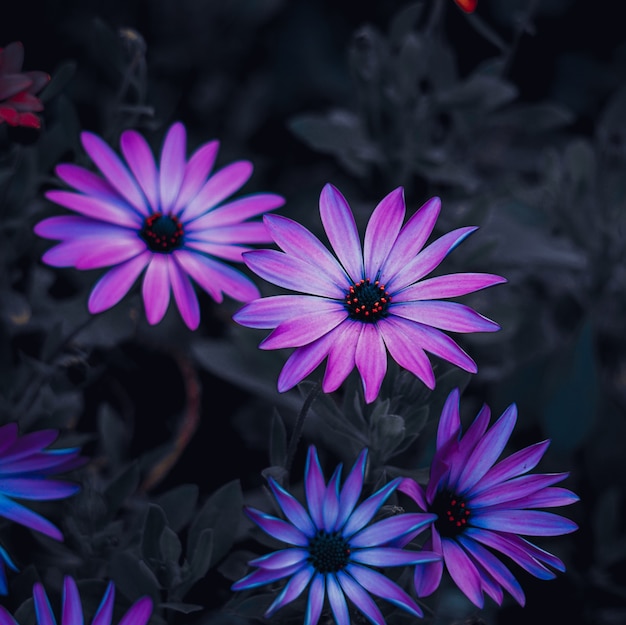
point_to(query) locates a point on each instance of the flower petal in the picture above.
(452, 285)
(388, 556)
(197, 169)
(292, 273)
(450, 316)
(303, 361)
(366, 510)
(337, 600)
(218, 187)
(14, 511)
(306, 328)
(316, 600)
(269, 312)
(364, 602)
(314, 486)
(341, 354)
(411, 238)
(72, 613)
(260, 577)
(114, 284)
(383, 587)
(341, 231)
(293, 509)
(279, 529)
(463, 571)
(114, 171)
(351, 490)
(43, 610)
(36, 488)
(525, 522)
(427, 260)
(104, 614)
(98, 208)
(156, 288)
(87, 182)
(281, 559)
(516, 488)
(139, 157)
(184, 295)
(239, 210)
(371, 360)
(172, 165)
(382, 231)
(297, 241)
(390, 528)
(330, 505)
(139, 613)
(292, 590)
(408, 355)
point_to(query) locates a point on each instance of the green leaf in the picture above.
(572, 396)
(179, 505)
(133, 577)
(221, 513)
(170, 546)
(278, 440)
(198, 563)
(153, 527)
(121, 487)
(61, 76)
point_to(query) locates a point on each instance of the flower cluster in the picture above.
(19, 104)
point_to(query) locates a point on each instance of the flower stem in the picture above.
(297, 430)
(186, 428)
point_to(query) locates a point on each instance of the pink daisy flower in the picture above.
(170, 221)
(368, 300)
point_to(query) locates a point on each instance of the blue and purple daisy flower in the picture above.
(171, 221)
(332, 549)
(25, 465)
(367, 300)
(484, 507)
(72, 610)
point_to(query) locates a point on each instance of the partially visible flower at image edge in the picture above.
(170, 221)
(483, 506)
(18, 103)
(24, 467)
(332, 549)
(469, 6)
(72, 610)
(365, 301)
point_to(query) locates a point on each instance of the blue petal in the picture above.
(36, 488)
(139, 613)
(277, 528)
(314, 487)
(292, 590)
(365, 512)
(337, 600)
(391, 528)
(260, 577)
(315, 603)
(383, 587)
(330, 508)
(351, 490)
(293, 509)
(463, 571)
(18, 513)
(355, 592)
(387, 556)
(280, 559)
(105, 609)
(5, 617)
(72, 608)
(43, 610)
(526, 522)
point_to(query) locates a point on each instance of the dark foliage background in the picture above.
(515, 116)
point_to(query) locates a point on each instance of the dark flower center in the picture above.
(328, 552)
(453, 512)
(367, 301)
(162, 233)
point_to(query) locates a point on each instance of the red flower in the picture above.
(18, 102)
(469, 6)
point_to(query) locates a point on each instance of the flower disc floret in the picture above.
(365, 300)
(174, 223)
(332, 548)
(484, 506)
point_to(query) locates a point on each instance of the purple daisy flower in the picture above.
(168, 220)
(24, 465)
(331, 549)
(483, 507)
(366, 301)
(72, 611)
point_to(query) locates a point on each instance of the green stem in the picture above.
(297, 430)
